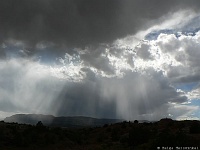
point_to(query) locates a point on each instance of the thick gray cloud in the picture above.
(188, 78)
(2, 53)
(94, 58)
(84, 99)
(131, 97)
(81, 22)
(143, 52)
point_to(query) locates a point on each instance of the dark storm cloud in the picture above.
(131, 97)
(84, 99)
(2, 53)
(77, 23)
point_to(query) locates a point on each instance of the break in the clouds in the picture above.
(106, 59)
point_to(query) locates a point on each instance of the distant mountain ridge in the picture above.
(49, 120)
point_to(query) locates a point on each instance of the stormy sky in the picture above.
(130, 59)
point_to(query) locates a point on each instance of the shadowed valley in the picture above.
(92, 134)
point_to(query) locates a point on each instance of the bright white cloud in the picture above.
(194, 94)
